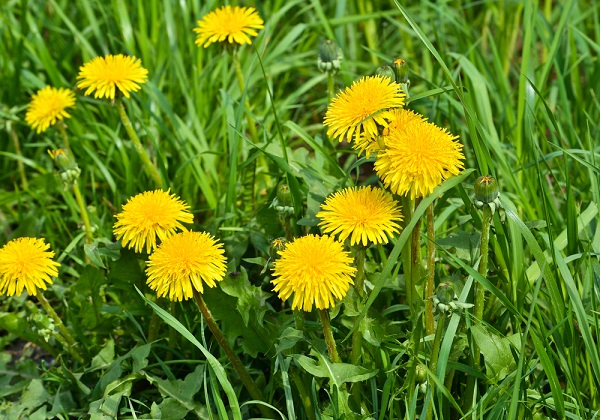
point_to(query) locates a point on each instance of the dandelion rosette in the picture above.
(356, 113)
(106, 75)
(315, 270)
(232, 24)
(47, 106)
(26, 263)
(417, 158)
(149, 215)
(366, 215)
(183, 263)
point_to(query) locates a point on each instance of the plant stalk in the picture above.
(148, 165)
(483, 267)
(72, 346)
(430, 285)
(435, 352)
(415, 265)
(331, 348)
(359, 284)
(245, 377)
(242, 85)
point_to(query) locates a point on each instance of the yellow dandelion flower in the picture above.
(418, 158)
(401, 117)
(149, 215)
(26, 263)
(183, 262)
(232, 24)
(357, 111)
(315, 269)
(366, 215)
(47, 106)
(107, 74)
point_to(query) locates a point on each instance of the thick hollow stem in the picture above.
(415, 252)
(483, 267)
(235, 360)
(72, 344)
(359, 283)
(148, 165)
(430, 285)
(435, 352)
(331, 348)
(330, 86)
(83, 212)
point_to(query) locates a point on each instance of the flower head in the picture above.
(25, 263)
(417, 158)
(107, 74)
(357, 111)
(366, 215)
(232, 24)
(315, 269)
(47, 106)
(149, 215)
(182, 263)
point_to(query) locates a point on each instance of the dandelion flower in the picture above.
(149, 215)
(401, 117)
(47, 106)
(107, 74)
(366, 215)
(182, 263)
(315, 269)
(357, 111)
(418, 158)
(233, 24)
(26, 263)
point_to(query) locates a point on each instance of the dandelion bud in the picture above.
(386, 71)
(486, 189)
(401, 70)
(330, 56)
(420, 374)
(445, 293)
(277, 245)
(66, 164)
(283, 202)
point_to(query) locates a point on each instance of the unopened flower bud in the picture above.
(486, 189)
(445, 293)
(284, 195)
(330, 56)
(277, 245)
(420, 374)
(386, 71)
(401, 69)
(66, 164)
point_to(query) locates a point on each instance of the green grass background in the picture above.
(516, 81)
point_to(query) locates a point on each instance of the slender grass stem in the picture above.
(20, 166)
(148, 165)
(430, 285)
(331, 348)
(71, 347)
(235, 360)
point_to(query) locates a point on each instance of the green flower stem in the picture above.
(242, 85)
(335, 358)
(359, 283)
(77, 192)
(407, 204)
(68, 338)
(84, 214)
(430, 285)
(20, 166)
(415, 266)
(435, 352)
(330, 86)
(235, 360)
(483, 268)
(148, 165)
